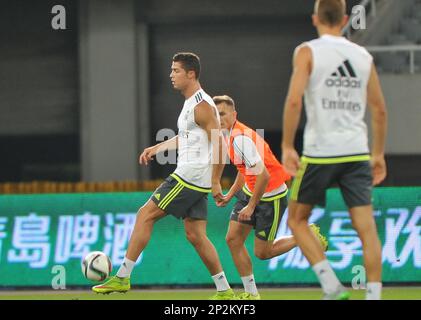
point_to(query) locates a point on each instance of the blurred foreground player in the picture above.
(338, 79)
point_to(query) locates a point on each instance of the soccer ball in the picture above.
(96, 266)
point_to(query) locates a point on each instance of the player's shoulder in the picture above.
(198, 97)
(303, 51)
(202, 98)
(204, 107)
(303, 47)
(363, 51)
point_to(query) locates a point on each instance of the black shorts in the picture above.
(313, 179)
(181, 199)
(267, 215)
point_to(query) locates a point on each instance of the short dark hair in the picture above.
(330, 12)
(224, 99)
(190, 62)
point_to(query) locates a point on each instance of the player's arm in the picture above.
(262, 181)
(205, 117)
(302, 65)
(245, 149)
(377, 106)
(148, 154)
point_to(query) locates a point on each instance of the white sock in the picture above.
(374, 291)
(221, 281)
(327, 277)
(249, 284)
(126, 268)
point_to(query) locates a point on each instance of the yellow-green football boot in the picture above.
(114, 284)
(248, 296)
(224, 295)
(340, 294)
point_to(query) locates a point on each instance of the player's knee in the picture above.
(262, 254)
(232, 241)
(193, 237)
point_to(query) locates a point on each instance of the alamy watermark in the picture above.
(358, 18)
(58, 22)
(58, 282)
(360, 279)
(197, 149)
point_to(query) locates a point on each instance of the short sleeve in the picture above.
(245, 149)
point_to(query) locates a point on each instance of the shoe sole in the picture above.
(109, 292)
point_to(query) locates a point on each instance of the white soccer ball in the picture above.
(96, 266)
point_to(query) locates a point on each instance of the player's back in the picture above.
(336, 98)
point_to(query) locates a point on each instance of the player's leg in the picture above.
(268, 249)
(308, 189)
(146, 217)
(196, 234)
(356, 188)
(235, 238)
(141, 234)
(268, 217)
(363, 222)
(313, 251)
(307, 241)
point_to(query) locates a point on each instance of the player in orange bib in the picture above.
(260, 190)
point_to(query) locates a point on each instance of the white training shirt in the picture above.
(194, 149)
(336, 98)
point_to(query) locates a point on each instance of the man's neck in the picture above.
(232, 126)
(336, 32)
(190, 90)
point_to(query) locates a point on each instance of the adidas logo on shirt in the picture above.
(198, 97)
(344, 76)
(344, 70)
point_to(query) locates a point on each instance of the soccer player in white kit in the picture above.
(184, 194)
(337, 79)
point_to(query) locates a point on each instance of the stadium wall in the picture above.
(38, 232)
(403, 98)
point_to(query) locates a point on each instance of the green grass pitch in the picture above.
(391, 293)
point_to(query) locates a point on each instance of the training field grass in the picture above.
(395, 293)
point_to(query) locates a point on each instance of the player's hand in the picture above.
(291, 161)
(378, 168)
(224, 201)
(217, 192)
(246, 213)
(147, 155)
